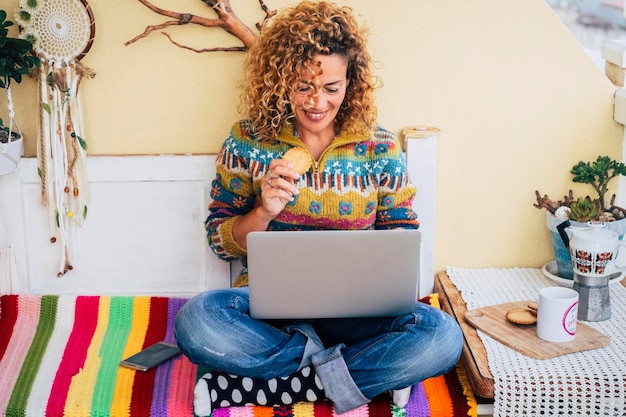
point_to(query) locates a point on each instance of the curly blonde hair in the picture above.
(286, 48)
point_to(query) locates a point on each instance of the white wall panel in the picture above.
(143, 235)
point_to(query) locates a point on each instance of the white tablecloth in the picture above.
(588, 383)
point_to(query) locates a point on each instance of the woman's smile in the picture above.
(316, 116)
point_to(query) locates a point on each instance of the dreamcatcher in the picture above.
(62, 32)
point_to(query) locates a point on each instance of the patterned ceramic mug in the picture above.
(594, 250)
(593, 263)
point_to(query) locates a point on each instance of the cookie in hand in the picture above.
(300, 158)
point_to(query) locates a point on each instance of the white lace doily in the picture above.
(588, 383)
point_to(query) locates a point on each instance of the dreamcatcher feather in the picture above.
(62, 32)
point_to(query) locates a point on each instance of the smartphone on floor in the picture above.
(151, 356)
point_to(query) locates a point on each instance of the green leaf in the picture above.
(16, 57)
(82, 142)
(46, 107)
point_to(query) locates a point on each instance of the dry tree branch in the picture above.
(223, 49)
(226, 20)
(150, 29)
(268, 14)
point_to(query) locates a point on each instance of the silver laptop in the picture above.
(333, 274)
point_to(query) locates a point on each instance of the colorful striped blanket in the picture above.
(59, 356)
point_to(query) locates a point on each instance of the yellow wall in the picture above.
(516, 98)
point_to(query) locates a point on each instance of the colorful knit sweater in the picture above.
(359, 182)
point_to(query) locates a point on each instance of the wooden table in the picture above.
(474, 356)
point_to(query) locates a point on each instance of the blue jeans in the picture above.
(355, 359)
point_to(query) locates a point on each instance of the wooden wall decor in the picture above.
(226, 19)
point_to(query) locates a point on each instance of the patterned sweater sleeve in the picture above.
(232, 197)
(396, 191)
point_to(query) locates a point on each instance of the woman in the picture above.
(309, 85)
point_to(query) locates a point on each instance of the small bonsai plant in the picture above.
(598, 174)
(16, 60)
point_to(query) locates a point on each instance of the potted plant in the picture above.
(580, 210)
(16, 60)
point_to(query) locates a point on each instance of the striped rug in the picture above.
(59, 356)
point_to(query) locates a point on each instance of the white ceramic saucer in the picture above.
(550, 270)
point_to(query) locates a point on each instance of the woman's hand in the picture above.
(278, 186)
(277, 190)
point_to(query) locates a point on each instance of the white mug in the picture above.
(557, 315)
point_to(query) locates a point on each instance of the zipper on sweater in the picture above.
(316, 162)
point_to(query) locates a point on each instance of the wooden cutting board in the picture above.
(523, 338)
